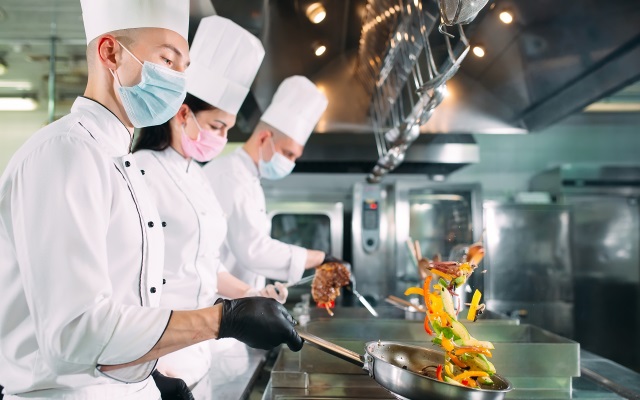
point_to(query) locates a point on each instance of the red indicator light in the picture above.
(373, 206)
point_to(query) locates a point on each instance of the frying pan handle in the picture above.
(333, 349)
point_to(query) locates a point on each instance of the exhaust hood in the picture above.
(553, 60)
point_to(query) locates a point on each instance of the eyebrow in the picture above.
(222, 122)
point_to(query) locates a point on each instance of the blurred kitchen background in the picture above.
(534, 148)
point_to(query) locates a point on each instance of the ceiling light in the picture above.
(316, 13)
(506, 17)
(478, 51)
(613, 107)
(17, 85)
(320, 49)
(17, 104)
(379, 19)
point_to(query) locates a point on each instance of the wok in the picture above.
(396, 367)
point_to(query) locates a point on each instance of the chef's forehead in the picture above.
(157, 38)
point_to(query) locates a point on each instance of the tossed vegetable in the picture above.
(466, 360)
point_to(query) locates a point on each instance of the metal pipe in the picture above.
(52, 82)
(52, 66)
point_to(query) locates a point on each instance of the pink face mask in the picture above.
(207, 146)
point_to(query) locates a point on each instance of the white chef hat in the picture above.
(225, 59)
(296, 108)
(103, 16)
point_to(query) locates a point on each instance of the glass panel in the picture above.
(311, 231)
(441, 222)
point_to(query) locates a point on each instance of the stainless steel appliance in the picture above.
(605, 241)
(311, 224)
(529, 264)
(441, 217)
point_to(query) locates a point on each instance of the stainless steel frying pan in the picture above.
(396, 367)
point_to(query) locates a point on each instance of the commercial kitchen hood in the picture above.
(552, 61)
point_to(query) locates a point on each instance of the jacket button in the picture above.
(127, 164)
(153, 290)
(164, 281)
(150, 224)
(142, 171)
(164, 224)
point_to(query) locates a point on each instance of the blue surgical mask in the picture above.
(277, 168)
(158, 96)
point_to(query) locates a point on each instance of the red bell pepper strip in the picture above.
(439, 373)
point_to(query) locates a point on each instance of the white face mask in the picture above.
(277, 168)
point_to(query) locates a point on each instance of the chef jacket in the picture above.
(194, 232)
(249, 252)
(81, 264)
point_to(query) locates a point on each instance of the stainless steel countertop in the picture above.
(600, 378)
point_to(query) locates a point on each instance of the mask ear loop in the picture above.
(273, 146)
(115, 74)
(193, 115)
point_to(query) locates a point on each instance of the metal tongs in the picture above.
(305, 280)
(351, 286)
(360, 297)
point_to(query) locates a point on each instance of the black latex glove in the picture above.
(260, 322)
(171, 388)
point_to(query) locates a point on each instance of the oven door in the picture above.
(317, 226)
(312, 225)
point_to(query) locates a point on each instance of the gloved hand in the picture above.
(278, 292)
(259, 322)
(171, 388)
(328, 258)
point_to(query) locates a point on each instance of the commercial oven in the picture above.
(442, 218)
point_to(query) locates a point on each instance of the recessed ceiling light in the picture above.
(506, 17)
(478, 51)
(17, 104)
(320, 49)
(316, 13)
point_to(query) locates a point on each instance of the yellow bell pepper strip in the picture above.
(439, 373)
(414, 290)
(469, 374)
(471, 349)
(441, 274)
(447, 344)
(473, 308)
(448, 370)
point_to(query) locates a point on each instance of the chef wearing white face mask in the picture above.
(81, 240)
(270, 153)
(224, 61)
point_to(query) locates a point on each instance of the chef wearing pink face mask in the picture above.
(224, 61)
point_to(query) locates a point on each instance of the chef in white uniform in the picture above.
(270, 153)
(81, 242)
(225, 59)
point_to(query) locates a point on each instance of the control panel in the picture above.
(371, 209)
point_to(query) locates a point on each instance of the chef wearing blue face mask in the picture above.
(270, 153)
(81, 241)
